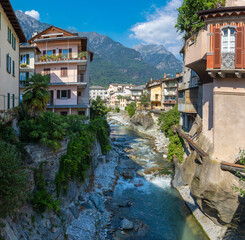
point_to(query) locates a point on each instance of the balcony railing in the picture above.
(24, 83)
(62, 57)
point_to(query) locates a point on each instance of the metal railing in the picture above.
(62, 57)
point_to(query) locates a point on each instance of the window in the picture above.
(25, 59)
(13, 101)
(79, 94)
(46, 71)
(8, 63)
(81, 113)
(156, 96)
(63, 94)
(22, 76)
(8, 100)
(9, 35)
(63, 113)
(50, 52)
(228, 40)
(63, 72)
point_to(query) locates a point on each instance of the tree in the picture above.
(188, 21)
(13, 180)
(37, 94)
(131, 109)
(99, 109)
(145, 100)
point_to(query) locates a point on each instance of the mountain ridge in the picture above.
(113, 62)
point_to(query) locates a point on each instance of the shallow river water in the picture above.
(152, 199)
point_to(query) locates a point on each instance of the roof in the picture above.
(118, 84)
(30, 47)
(59, 39)
(138, 88)
(97, 87)
(221, 10)
(160, 81)
(9, 11)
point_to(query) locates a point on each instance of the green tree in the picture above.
(13, 179)
(144, 100)
(36, 94)
(188, 21)
(131, 109)
(99, 108)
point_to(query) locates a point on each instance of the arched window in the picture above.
(228, 39)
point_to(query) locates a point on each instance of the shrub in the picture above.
(131, 109)
(175, 148)
(117, 110)
(99, 108)
(48, 129)
(41, 198)
(13, 179)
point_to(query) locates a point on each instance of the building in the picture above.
(96, 91)
(170, 92)
(217, 95)
(136, 92)
(27, 65)
(113, 88)
(11, 35)
(189, 100)
(155, 92)
(65, 58)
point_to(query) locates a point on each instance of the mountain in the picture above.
(113, 62)
(159, 57)
(30, 24)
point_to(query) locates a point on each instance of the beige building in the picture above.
(11, 35)
(217, 56)
(27, 65)
(98, 91)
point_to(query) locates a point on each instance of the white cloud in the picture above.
(159, 27)
(33, 13)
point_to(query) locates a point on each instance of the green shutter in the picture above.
(12, 40)
(10, 60)
(0, 21)
(27, 75)
(13, 68)
(8, 100)
(27, 59)
(13, 101)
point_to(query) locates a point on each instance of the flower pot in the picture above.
(84, 58)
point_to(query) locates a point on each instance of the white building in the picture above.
(96, 91)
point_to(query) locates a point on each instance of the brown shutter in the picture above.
(217, 48)
(60, 51)
(54, 52)
(69, 93)
(58, 94)
(44, 52)
(70, 52)
(239, 47)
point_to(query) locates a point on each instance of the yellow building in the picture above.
(155, 91)
(11, 35)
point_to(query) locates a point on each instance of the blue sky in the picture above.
(129, 22)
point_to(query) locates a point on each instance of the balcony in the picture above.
(170, 102)
(186, 107)
(80, 58)
(196, 55)
(24, 83)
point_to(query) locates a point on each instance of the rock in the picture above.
(80, 198)
(86, 206)
(74, 211)
(143, 120)
(126, 224)
(128, 175)
(125, 204)
(98, 203)
(164, 156)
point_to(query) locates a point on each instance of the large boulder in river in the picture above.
(143, 120)
(126, 224)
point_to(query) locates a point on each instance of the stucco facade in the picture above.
(65, 59)
(9, 60)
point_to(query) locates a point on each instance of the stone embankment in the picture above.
(144, 123)
(82, 215)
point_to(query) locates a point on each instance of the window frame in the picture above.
(229, 28)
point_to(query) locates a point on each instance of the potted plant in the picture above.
(55, 58)
(60, 57)
(42, 59)
(23, 65)
(65, 56)
(83, 55)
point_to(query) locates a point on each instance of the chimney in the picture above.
(177, 74)
(165, 75)
(151, 79)
(34, 33)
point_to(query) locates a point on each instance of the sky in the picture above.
(129, 22)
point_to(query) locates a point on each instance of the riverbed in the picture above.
(143, 193)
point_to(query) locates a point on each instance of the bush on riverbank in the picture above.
(131, 108)
(166, 121)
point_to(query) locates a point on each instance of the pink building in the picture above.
(64, 57)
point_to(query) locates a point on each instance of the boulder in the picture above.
(143, 120)
(126, 224)
(128, 174)
(98, 203)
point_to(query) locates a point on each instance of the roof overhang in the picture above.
(9, 11)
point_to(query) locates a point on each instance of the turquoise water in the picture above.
(154, 201)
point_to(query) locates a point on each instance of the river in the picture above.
(143, 193)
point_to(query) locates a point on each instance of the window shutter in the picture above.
(27, 75)
(8, 100)
(70, 52)
(60, 51)
(239, 47)
(13, 101)
(44, 52)
(58, 94)
(69, 93)
(217, 48)
(54, 52)
(27, 59)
